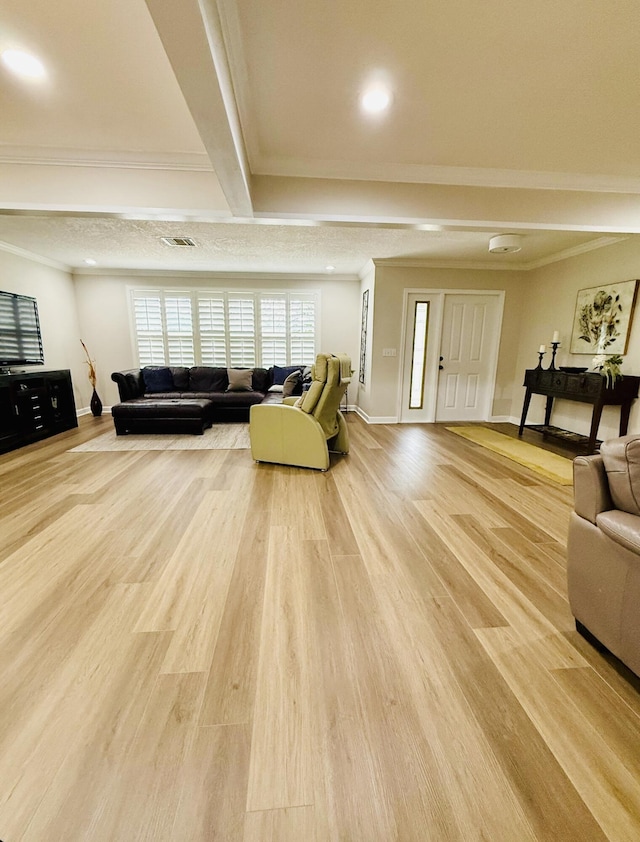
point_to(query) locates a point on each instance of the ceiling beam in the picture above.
(445, 205)
(191, 34)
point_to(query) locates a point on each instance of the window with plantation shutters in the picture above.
(147, 315)
(241, 332)
(213, 330)
(273, 329)
(221, 328)
(302, 322)
(179, 330)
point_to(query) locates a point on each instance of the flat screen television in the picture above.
(20, 338)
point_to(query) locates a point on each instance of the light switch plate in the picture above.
(388, 352)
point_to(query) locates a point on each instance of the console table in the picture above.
(585, 387)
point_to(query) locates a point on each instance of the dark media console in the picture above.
(34, 406)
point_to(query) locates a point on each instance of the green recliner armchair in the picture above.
(302, 431)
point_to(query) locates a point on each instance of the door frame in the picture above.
(439, 297)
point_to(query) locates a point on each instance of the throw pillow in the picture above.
(261, 380)
(180, 376)
(157, 379)
(240, 379)
(208, 379)
(290, 386)
(281, 374)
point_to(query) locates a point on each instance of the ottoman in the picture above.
(146, 415)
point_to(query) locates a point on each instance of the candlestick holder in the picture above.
(554, 347)
(540, 356)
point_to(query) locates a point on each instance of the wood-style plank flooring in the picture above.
(195, 647)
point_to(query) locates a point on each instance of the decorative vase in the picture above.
(95, 404)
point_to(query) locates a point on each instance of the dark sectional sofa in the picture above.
(176, 398)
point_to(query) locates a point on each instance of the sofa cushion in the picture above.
(261, 379)
(281, 374)
(621, 459)
(240, 379)
(292, 385)
(180, 376)
(157, 379)
(236, 400)
(208, 379)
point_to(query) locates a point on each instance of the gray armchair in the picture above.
(603, 559)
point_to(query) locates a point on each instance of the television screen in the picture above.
(20, 339)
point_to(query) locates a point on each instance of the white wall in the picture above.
(549, 305)
(54, 291)
(103, 308)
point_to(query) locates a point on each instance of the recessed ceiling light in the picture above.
(23, 64)
(330, 268)
(90, 261)
(376, 99)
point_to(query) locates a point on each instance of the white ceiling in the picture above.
(236, 123)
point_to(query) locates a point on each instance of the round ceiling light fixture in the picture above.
(505, 243)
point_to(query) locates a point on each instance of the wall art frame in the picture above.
(363, 335)
(602, 318)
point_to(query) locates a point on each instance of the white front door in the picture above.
(468, 355)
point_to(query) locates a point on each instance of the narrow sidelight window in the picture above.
(419, 354)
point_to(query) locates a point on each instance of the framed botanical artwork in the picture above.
(602, 319)
(363, 334)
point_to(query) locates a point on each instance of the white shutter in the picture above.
(213, 331)
(302, 329)
(179, 330)
(273, 330)
(147, 312)
(241, 331)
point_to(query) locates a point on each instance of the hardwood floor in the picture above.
(194, 647)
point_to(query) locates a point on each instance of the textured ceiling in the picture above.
(268, 247)
(505, 117)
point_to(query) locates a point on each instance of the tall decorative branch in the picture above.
(92, 367)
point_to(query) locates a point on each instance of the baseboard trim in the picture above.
(85, 410)
(376, 419)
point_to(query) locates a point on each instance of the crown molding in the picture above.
(416, 263)
(575, 251)
(125, 159)
(35, 258)
(278, 277)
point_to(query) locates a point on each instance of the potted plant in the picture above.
(609, 367)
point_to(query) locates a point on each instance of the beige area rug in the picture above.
(549, 465)
(231, 436)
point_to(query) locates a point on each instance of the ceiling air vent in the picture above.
(177, 241)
